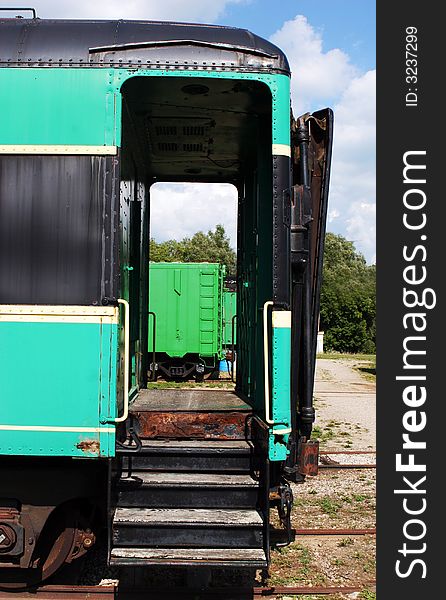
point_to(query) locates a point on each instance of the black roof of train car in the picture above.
(149, 44)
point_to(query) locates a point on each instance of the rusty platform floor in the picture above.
(191, 414)
(181, 400)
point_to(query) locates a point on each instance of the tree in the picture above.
(211, 247)
(348, 305)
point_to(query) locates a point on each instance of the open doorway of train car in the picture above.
(193, 241)
(204, 130)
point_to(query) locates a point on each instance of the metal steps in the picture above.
(182, 490)
(188, 528)
(222, 557)
(188, 503)
(225, 456)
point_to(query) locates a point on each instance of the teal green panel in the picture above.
(57, 106)
(281, 109)
(280, 390)
(55, 443)
(81, 106)
(53, 376)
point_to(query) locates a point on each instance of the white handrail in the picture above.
(268, 419)
(266, 361)
(126, 306)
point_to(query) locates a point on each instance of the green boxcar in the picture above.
(185, 302)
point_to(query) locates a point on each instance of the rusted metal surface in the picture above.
(62, 592)
(196, 414)
(308, 457)
(89, 446)
(335, 531)
(196, 425)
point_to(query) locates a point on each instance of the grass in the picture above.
(340, 355)
(329, 506)
(330, 431)
(323, 435)
(368, 372)
(346, 542)
(367, 595)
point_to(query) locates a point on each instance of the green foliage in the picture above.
(348, 305)
(214, 246)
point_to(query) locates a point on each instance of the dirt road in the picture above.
(345, 401)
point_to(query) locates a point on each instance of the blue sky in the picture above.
(346, 24)
(331, 48)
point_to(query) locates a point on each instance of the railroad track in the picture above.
(348, 466)
(334, 531)
(240, 594)
(59, 592)
(347, 452)
(64, 592)
(327, 463)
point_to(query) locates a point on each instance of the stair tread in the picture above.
(189, 400)
(195, 444)
(188, 516)
(199, 554)
(162, 478)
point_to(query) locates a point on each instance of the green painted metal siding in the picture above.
(57, 383)
(76, 106)
(57, 106)
(229, 311)
(187, 301)
(280, 391)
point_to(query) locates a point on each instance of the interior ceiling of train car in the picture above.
(195, 129)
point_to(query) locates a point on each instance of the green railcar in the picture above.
(185, 318)
(92, 113)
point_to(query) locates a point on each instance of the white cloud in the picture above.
(361, 227)
(171, 10)
(328, 78)
(317, 76)
(353, 185)
(181, 209)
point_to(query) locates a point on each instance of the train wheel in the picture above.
(53, 549)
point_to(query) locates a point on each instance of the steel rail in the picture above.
(63, 592)
(60, 592)
(348, 466)
(229, 593)
(308, 589)
(370, 531)
(347, 452)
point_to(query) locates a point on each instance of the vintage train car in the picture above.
(186, 319)
(92, 114)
